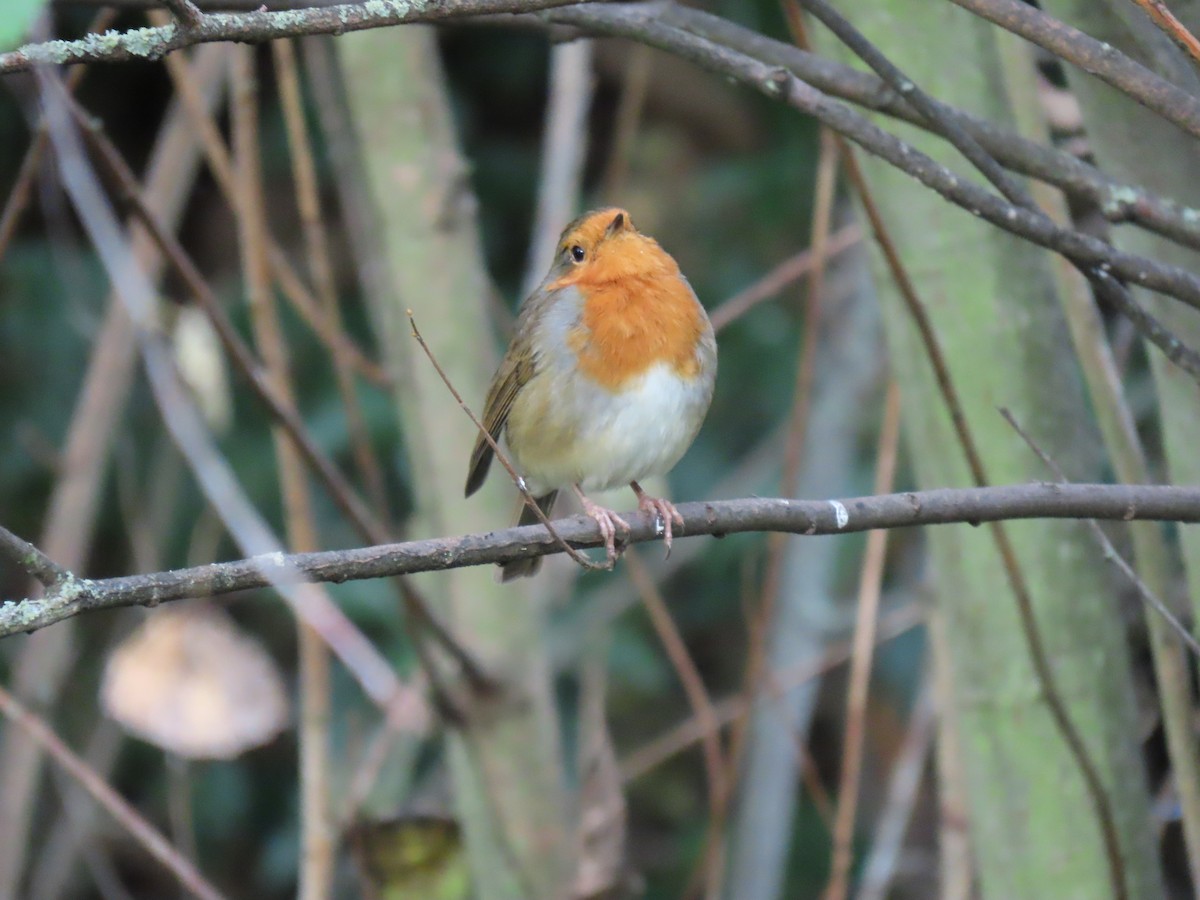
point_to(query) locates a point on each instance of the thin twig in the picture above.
(186, 12)
(18, 195)
(1172, 27)
(693, 686)
(317, 844)
(564, 149)
(30, 560)
(316, 243)
(901, 797)
(337, 343)
(116, 806)
(1113, 292)
(802, 390)
(771, 283)
(503, 457)
(956, 852)
(634, 88)
(728, 709)
(865, 624)
(1110, 552)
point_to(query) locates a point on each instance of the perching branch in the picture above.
(943, 506)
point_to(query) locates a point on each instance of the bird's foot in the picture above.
(664, 511)
(609, 523)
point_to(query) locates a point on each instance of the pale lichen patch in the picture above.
(148, 43)
(387, 8)
(1120, 198)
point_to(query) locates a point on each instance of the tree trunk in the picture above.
(506, 760)
(992, 302)
(1131, 142)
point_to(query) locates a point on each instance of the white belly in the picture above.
(611, 439)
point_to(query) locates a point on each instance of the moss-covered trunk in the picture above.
(993, 306)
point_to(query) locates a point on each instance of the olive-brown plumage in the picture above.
(608, 377)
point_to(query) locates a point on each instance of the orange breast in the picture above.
(637, 312)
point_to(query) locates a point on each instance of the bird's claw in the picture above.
(665, 514)
(609, 523)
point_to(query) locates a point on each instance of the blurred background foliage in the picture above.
(721, 177)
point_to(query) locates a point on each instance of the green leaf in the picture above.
(15, 21)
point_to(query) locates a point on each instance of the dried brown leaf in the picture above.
(189, 680)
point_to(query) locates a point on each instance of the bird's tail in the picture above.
(519, 568)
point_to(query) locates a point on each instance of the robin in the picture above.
(608, 377)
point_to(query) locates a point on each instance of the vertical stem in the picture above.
(956, 864)
(316, 868)
(870, 581)
(564, 148)
(316, 245)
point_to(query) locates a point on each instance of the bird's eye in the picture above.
(577, 253)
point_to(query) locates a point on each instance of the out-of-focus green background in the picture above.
(724, 179)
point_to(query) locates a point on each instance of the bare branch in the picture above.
(1172, 27)
(717, 517)
(255, 28)
(1097, 58)
(642, 23)
(30, 559)
(1119, 201)
(943, 122)
(186, 12)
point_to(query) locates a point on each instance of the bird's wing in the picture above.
(515, 370)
